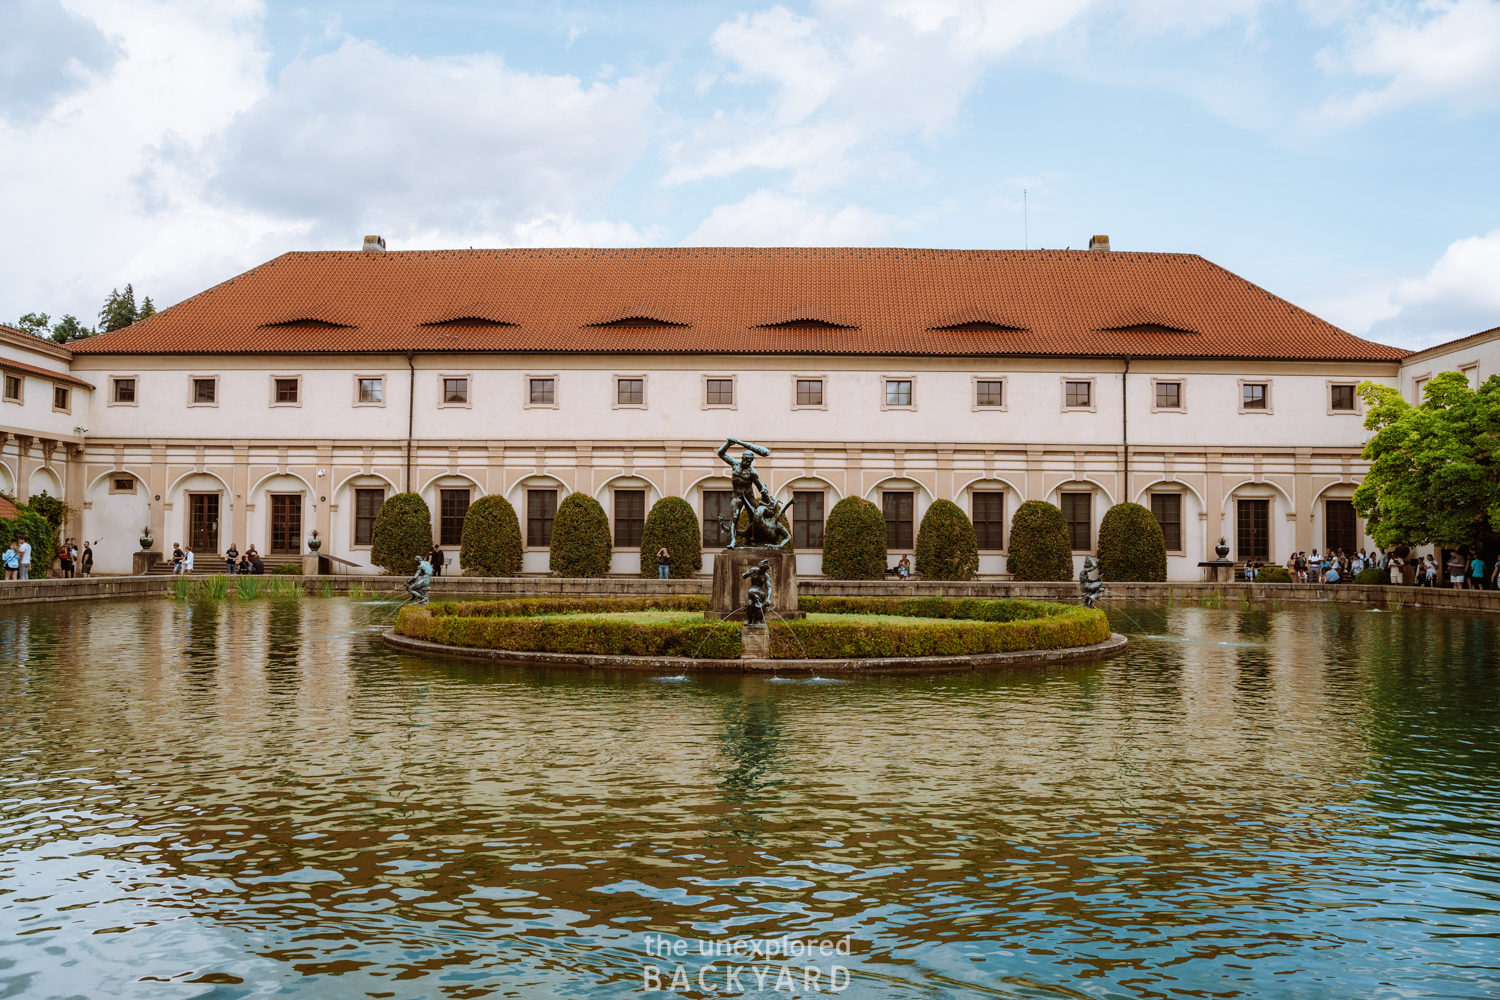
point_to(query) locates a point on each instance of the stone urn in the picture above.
(146, 542)
(314, 543)
(1221, 550)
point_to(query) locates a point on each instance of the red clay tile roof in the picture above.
(46, 373)
(8, 511)
(1066, 303)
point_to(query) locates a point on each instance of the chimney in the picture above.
(1095, 243)
(376, 244)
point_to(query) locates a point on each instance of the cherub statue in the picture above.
(758, 600)
(1090, 581)
(420, 581)
(744, 481)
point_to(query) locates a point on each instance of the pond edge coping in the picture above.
(1112, 646)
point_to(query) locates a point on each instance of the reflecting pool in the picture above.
(253, 799)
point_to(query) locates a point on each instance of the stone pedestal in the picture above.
(1218, 571)
(757, 642)
(730, 588)
(310, 565)
(142, 561)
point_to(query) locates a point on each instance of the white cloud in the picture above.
(1459, 295)
(1444, 50)
(776, 220)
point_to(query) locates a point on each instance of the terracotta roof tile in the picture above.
(896, 301)
(45, 373)
(8, 511)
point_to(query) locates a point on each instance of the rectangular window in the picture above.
(988, 393)
(124, 390)
(807, 519)
(630, 518)
(1077, 510)
(455, 392)
(286, 524)
(1168, 395)
(541, 509)
(13, 388)
(989, 520)
(367, 504)
(1341, 530)
(1253, 529)
(453, 506)
(630, 391)
(898, 392)
(898, 519)
(1254, 395)
(372, 390)
(286, 390)
(1341, 397)
(1077, 393)
(1167, 509)
(59, 397)
(124, 484)
(205, 390)
(716, 504)
(720, 391)
(543, 391)
(809, 392)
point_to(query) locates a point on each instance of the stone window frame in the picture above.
(385, 383)
(20, 377)
(1062, 387)
(1181, 384)
(1182, 532)
(1466, 368)
(526, 402)
(280, 405)
(974, 404)
(1418, 384)
(1357, 410)
(135, 380)
(1075, 488)
(614, 391)
(734, 391)
(442, 391)
(1270, 406)
(67, 391)
(353, 487)
(809, 377)
(192, 390)
(134, 490)
(993, 486)
(884, 382)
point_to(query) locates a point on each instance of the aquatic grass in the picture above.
(1245, 603)
(248, 588)
(325, 589)
(180, 588)
(279, 589)
(357, 591)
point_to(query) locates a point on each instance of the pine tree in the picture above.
(119, 310)
(148, 308)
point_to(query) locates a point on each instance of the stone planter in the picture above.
(1222, 551)
(147, 542)
(314, 544)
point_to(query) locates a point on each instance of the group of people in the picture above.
(247, 563)
(72, 561)
(18, 559)
(1469, 572)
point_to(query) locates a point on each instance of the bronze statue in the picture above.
(1090, 585)
(758, 600)
(744, 481)
(420, 581)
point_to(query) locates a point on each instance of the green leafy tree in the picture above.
(1131, 545)
(403, 534)
(119, 310)
(1039, 544)
(55, 511)
(69, 329)
(37, 529)
(581, 544)
(673, 523)
(34, 324)
(947, 548)
(854, 541)
(1435, 467)
(491, 543)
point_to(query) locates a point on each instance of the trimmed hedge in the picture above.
(672, 522)
(1131, 545)
(854, 541)
(566, 634)
(1076, 626)
(403, 534)
(1039, 544)
(1273, 574)
(525, 607)
(947, 548)
(581, 544)
(1373, 576)
(491, 542)
(965, 608)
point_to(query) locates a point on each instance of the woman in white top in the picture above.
(187, 560)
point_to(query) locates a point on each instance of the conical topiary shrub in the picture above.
(403, 534)
(854, 541)
(580, 538)
(1039, 546)
(946, 546)
(491, 543)
(1131, 545)
(672, 522)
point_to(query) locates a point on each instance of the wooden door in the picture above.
(203, 522)
(286, 524)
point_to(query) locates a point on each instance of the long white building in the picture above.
(297, 396)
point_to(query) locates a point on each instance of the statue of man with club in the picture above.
(744, 481)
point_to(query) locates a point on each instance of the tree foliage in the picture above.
(672, 522)
(947, 548)
(491, 542)
(68, 329)
(1435, 467)
(1131, 545)
(1039, 544)
(581, 544)
(120, 310)
(55, 510)
(403, 533)
(37, 529)
(34, 324)
(854, 541)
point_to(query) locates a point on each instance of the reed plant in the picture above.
(325, 589)
(280, 589)
(248, 588)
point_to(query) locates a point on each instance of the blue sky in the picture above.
(1340, 153)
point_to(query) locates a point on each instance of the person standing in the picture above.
(65, 559)
(12, 560)
(1476, 572)
(1315, 567)
(1456, 570)
(230, 555)
(24, 549)
(435, 557)
(187, 560)
(176, 557)
(86, 560)
(663, 563)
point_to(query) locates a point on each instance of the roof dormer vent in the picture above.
(376, 244)
(1099, 243)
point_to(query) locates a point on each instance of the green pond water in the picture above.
(258, 799)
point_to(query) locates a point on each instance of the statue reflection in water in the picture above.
(754, 743)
